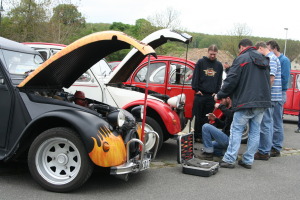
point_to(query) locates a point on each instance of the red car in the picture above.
(292, 107)
(169, 76)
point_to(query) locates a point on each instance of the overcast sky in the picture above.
(264, 18)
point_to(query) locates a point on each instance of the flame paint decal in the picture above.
(116, 154)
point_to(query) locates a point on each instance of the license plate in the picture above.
(145, 164)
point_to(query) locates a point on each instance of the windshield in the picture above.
(101, 68)
(19, 65)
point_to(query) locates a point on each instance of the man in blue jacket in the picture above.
(248, 85)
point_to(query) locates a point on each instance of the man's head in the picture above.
(226, 101)
(212, 52)
(244, 43)
(274, 47)
(262, 48)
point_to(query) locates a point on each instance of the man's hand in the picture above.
(211, 116)
(217, 105)
(199, 92)
(216, 97)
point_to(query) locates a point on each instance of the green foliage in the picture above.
(60, 22)
(25, 22)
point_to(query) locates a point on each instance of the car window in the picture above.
(298, 82)
(180, 74)
(21, 63)
(291, 81)
(156, 74)
(85, 77)
(44, 54)
(101, 68)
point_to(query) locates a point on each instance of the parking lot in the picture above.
(278, 178)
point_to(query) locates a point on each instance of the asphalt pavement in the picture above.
(278, 178)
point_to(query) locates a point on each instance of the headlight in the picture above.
(177, 100)
(116, 118)
(138, 112)
(121, 118)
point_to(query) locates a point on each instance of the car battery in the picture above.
(190, 164)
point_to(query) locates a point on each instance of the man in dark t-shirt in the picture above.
(207, 81)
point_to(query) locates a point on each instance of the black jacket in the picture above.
(207, 76)
(226, 121)
(248, 81)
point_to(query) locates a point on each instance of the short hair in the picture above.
(213, 47)
(245, 43)
(274, 45)
(261, 44)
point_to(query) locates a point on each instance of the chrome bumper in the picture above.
(137, 164)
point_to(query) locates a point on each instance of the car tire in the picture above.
(152, 125)
(58, 160)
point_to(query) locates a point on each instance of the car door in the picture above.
(5, 105)
(296, 96)
(157, 76)
(179, 81)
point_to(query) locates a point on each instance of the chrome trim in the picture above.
(134, 165)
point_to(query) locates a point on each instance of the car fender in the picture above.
(168, 116)
(93, 131)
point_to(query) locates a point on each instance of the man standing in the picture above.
(207, 80)
(211, 132)
(248, 82)
(271, 120)
(278, 110)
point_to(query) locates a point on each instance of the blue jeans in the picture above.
(210, 132)
(266, 131)
(241, 118)
(278, 132)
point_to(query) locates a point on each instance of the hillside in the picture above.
(194, 54)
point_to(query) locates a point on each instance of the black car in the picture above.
(61, 138)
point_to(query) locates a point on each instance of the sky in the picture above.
(215, 17)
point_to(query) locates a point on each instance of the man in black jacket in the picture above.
(248, 83)
(207, 81)
(210, 132)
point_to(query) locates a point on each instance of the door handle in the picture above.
(169, 88)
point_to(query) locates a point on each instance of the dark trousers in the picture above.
(203, 104)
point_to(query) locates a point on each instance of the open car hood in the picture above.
(66, 66)
(134, 57)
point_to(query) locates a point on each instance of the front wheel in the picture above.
(152, 125)
(58, 160)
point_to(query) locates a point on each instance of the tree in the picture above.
(168, 19)
(26, 21)
(65, 23)
(237, 33)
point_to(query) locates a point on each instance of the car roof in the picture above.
(63, 68)
(15, 46)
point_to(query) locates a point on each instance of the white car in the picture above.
(105, 86)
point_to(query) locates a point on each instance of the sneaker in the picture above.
(274, 153)
(297, 130)
(205, 156)
(259, 156)
(244, 164)
(226, 165)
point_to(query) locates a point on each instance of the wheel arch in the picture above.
(70, 119)
(162, 113)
